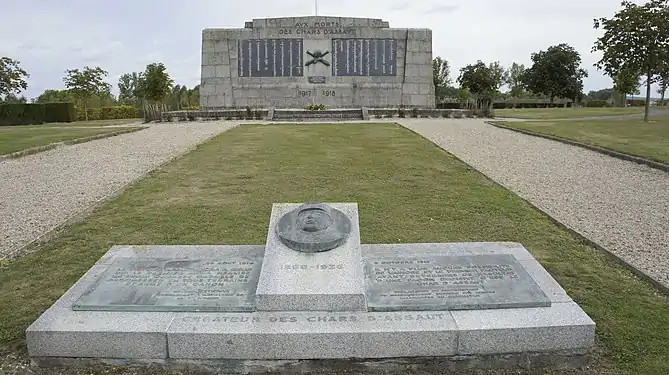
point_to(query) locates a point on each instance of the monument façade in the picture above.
(294, 62)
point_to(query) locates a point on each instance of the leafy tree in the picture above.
(129, 90)
(194, 96)
(636, 38)
(12, 77)
(603, 94)
(498, 73)
(626, 82)
(55, 96)
(481, 81)
(664, 83)
(441, 73)
(13, 99)
(83, 84)
(556, 72)
(156, 82)
(514, 80)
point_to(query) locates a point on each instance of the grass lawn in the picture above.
(648, 140)
(17, 138)
(96, 122)
(407, 189)
(564, 113)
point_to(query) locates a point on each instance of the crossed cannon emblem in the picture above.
(317, 57)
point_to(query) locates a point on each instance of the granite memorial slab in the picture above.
(313, 295)
(469, 282)
(213, 283)
(295, 280)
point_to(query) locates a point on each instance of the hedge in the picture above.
(109, 113)
(636, 102)
(21, 114)
(597, 103)
(59, 112)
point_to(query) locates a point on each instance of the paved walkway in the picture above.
(620, 205)
(41, 191)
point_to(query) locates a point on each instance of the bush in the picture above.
(316, 107)
(109, 113)
(597, 103)
(22, 114)
(636, 102)
(414, 112)
(59, 112)
(401, 113)
(449, 105)
(192, 108)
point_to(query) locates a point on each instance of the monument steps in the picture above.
(303, 115)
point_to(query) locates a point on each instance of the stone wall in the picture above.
(266, 64)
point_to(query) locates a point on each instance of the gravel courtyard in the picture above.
(38, 192)
(620, 205)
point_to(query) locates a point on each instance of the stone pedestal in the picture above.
(327, 281)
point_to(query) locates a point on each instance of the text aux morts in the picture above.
(317, 28)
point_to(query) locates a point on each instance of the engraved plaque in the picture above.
(316, 79)
(225, 284)
(270, 58)
(364, 57)
(450, 283)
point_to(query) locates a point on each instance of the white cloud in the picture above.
(125, 35)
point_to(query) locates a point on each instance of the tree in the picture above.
(128, 85)
(626, 82)
(55, 96)
(556, 72)
(636, 38)
(514, 80)
(663, 80)
(12, 77)
(13, 99)
(156, 82)
(83, 84)
(441, 72)
(481, 81)
(498, 73)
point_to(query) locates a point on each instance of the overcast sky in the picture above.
(123, 36)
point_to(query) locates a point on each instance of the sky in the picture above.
(124, 36)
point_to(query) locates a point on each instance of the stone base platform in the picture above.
(301, 115)
(557, 333)
(566, 359)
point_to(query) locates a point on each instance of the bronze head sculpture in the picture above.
(313, 227)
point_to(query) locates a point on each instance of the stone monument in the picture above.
(294, 62)
(314, 298)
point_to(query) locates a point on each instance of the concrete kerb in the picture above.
(664, 289)
(602, 150)
(50, 146)
(84, 213)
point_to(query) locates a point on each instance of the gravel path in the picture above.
(620, 205)
(41, 191)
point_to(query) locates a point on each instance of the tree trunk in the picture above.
(664, 90)
(647, 109)
(85, 110)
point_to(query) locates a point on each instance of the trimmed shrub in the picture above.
(59, 112)
(597, 103)
(636, 102)
(316, 107)
(449, 105)
(109, 113)
(22, 114)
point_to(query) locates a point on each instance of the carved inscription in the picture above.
(320, 267)
(174, 285)
(465, 282)
(317, 319)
